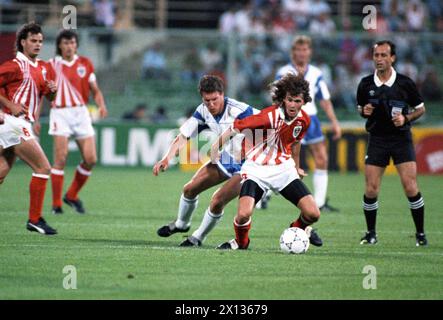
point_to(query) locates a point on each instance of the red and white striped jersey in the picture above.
(73, 80)
(23, 81)
(270, 135)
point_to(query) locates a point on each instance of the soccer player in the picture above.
(384, 99)
(23, 82)
(301, 53)
(216, 113)
(69, 117)
(272, 162)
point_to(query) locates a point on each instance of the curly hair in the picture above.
(22, 34)
(292, 84)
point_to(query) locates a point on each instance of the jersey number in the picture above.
(26, 132)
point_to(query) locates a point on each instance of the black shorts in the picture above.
(382, 148)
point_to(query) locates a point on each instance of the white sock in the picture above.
(320, 181)
(185, 209)
(208, 223)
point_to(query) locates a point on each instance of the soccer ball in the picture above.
(294, 240)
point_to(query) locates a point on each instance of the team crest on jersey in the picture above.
(81, 71)
(371, 93)
(297, 130)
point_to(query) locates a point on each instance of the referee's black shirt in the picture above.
(398, 94)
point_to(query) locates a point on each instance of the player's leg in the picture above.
(32, 154)
(214, 213)
(206, 177)
(298, 194)
(250, 194)
(57, 171)
(408, 177)
(83, 171)
(7, 160)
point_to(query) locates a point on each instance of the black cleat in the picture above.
(41, 227)
(370, 237)
(421, 239)
(231, 245)
(170, 229)
(314, 238)
(77, 205)
(327, 208)
(263, 203)
(191, 242)
(57, 210)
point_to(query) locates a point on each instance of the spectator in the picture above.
(154, 64)
(227, 21)
(431, 88)
(322, 25)
(105, 17)
(160, 116)
(415, 15)
(435, 8)
(138, 114)
(319, 7)
(192, 68)
(243, 20)
(210, 57)
(408, 68)
(300, 10)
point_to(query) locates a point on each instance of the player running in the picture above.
(216, 113)
(69, 117)
(272, 162)
(24, 80)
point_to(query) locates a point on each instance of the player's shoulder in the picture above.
(235, 104)
(316, 71)
(404, 79)
(305, 117)
(367, 80)
(85, 60)
(12, 63)
(287, 68)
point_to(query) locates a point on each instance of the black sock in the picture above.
(417, 206)
(370, 207)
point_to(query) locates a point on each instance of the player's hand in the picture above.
(162, 165)
(103, 112)
(2, 117)
(17, 109)
(51, 86)
(399, 119)
(337, 131)
(215, 154)
(37, 127)
(301, 173)
(368, 109)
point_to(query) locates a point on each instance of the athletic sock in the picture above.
(81, 176)
(37, 189)
(242, 233)
(57, 177)
(185, 209)
(302, 222)
(417, 206)
(320, 181)
(370, 206)
(210, 220)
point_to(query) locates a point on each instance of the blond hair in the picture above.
(300, 40)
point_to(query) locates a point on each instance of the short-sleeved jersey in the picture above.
(73, 80)
(202, 119)
(23, 81)
(397, 95)
(318, 90)
(273, 144)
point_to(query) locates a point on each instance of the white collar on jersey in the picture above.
(388, 83)
(22, 57)
(282, 115)
(65, 62)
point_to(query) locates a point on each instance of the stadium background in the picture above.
(151, 54)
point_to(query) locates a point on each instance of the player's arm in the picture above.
(220, 142)
(2, 117)
(179, 141)
(329, 110)
(36, 126)
(295, 152)
(99, 99)
(8, 73)
(414, 99)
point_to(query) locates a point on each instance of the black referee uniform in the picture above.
(398, 95)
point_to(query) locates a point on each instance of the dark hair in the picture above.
(292, 84)
(389, 43)
(210, 83)
(22, 34)
(65, 34)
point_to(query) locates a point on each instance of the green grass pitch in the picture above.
(117, 254)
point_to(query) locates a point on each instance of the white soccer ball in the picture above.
(294, 240)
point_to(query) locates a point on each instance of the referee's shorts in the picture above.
(381, 149)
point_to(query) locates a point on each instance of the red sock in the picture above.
(37, 189)
(81, 175)
(301, 223)
(242, 234)
(57, 177)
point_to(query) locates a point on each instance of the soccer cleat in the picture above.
(170, 229)
(191, 242)
(314, 238)
(370, 237)
(77, 205)
(41, 227)
(57, 210)
(421, 239)
(327, 208)
(231, 245)
(263, 203)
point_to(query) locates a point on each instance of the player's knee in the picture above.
(372, 189)
(312, 213)
(217, 202)
(2, 179)
(90, 162)
(189, 192)
(242, 219)
(411, 188)
(321, 161)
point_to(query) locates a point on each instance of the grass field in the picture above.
(117, 253)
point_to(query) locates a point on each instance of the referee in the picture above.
(390, 102)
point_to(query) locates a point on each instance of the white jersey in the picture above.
(318, 90)
(202, 119)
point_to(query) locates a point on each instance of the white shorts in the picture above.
(71, 122)
(274, 178)
(14, 130)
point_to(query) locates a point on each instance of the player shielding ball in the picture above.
(272, 162)
(69, 117)
(385, 99)
(24, 80)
